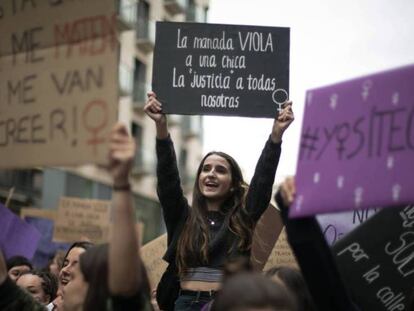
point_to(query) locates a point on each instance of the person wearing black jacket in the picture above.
(313, 255)
(12, 297)
(219, 223)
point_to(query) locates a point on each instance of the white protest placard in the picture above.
(80, 219)
(50, 214)
(58, 81)
(282, 254)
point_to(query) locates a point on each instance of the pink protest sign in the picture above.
(357, 145)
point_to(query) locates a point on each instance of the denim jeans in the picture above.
(190, 303)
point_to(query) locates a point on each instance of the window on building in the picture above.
(148, 212)
(79, 187)
(125, 80)
(205, 14)
(143, 19)
(137, 133)
(103, 192)
(127, 11)
(139, 82)
(27, 186)
(191, 126)
(191, 11)
(182, 166)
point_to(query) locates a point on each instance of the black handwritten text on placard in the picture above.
(335, 226)
(378, 264)
(221, 69)
(58, 81)
(382, 131)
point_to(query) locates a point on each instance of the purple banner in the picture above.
(357, 145)
(16, 236)
(46, 248)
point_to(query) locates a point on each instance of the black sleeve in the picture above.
(260, 189)
(139, 301)
(316, 262)
(173, 202)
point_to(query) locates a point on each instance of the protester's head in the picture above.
(71, 260)
(56, 262)
(41, 285)
(293, 280)
(88, 288)
(253, 291)
(17, 265)
(220, 180)
(89, 279)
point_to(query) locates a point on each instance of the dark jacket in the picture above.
(13, 298)
(316, 262)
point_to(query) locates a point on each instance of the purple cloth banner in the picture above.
(357, 145)
(46, 248)
(16, 236)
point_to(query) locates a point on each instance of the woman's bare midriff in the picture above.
(200, 286)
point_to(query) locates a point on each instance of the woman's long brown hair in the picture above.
(194, 239)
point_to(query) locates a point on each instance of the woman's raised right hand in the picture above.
(153, 108)
(288, 191)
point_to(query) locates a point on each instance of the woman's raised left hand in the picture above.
(282, 122)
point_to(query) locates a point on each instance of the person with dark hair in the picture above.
(113, 277)
(41, 285)
(12, 297)
(294, 282)
(220, 221)
(313, 255)
(89, 287)
(253, 291)
(69, 262)
(17, 265)
(56, 262)
(71, 259)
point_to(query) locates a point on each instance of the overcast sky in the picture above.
(331, 41)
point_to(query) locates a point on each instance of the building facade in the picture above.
(42, 187)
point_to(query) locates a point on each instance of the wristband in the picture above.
(125, 187)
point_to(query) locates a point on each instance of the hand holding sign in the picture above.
(282, 122)
(288, 190)
(121, 154)
(153, 108)
(125, 276)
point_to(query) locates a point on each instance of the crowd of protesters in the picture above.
(209, 243)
